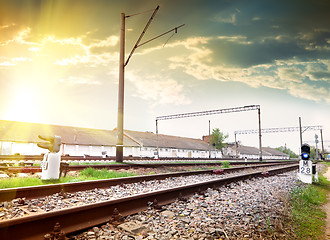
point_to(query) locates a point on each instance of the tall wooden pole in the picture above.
(236, 153)
(209, 138)
(260, 147)
(120, 121)
(322, 144)
(300, 133)
(157, 138)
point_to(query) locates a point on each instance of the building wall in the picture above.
(11, 148)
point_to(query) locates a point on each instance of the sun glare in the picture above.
(23, 106)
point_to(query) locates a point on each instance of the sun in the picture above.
(23, 106)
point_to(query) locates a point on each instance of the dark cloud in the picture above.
(321, 75)
(284, 30)
(302, 25)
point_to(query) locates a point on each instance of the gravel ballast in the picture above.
(250, 209)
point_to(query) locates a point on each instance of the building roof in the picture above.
(149, 139)
(13, 131)
(273, 152)
(25, 132)
(266, 151)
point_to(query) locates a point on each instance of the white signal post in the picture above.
(307, 170)
(51, 162)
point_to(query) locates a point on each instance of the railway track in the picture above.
(77, 218)
(41, 191)
(130, 165)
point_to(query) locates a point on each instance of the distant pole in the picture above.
(300, 131)
(260, 147)
(209, 138)
(316, 150)
(236, 147)
(157, 138)
(120, 121)
(322, 143)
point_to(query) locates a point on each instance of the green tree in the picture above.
(313, 153)
(287, 151)
(218, 139)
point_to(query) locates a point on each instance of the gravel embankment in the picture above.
(18, 208)
(251, 209)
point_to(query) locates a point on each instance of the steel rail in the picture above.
(107, 158)
(78, 218)
(157, 165)
(45, 190)
(137, 165)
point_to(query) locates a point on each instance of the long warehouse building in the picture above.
(22, 138)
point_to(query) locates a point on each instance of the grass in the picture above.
(94, 174)
(225, 164)
(84, 175)
(308, 217)
(93, 163)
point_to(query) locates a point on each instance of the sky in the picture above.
(59, 64)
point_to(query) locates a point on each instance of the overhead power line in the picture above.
(274, 130)
(210, 112)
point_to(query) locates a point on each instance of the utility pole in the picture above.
(322, 144)
(316, 150)
(260, 147)
(209, 138)
(157, 138)
(122, 65)
(300, 131)
(236, 153)
(120, 120)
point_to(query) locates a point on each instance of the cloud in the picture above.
(158, 89)
(318, 39)
(54, 50)
(239, 39)
(226, 19)
(109, 41)
(80, 81)
(292, 75)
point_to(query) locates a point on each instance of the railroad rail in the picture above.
(44, 190)
(106, 158)
(78, 218)
(136, 165)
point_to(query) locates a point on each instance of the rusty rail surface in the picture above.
(138, 165)
(44, 190)
(82, 217)
(109, 158)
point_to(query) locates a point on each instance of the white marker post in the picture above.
(307, 170)
(51, 162)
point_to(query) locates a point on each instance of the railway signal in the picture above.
(53, 143)
(307, 170)
(305, 151)
(51, 162)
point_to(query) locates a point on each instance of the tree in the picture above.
(287, 151)
(218, 139)
(313, 153)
